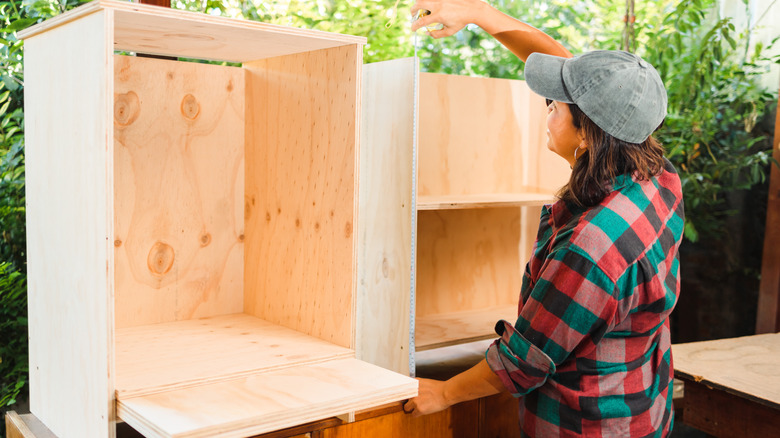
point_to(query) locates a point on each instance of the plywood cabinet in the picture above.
(471, 154)
(194, 229)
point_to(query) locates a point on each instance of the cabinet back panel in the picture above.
(469, 259)
(179, 190)
(300, 191)
(483, 136)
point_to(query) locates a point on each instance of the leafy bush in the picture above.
(13, 334)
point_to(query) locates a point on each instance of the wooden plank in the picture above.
(171, 32)
(386, 212)
(768, 313)
(266, 402)
(468, 260)
(483, 135)
(434, 331)
(179, 191)
(491, 200)
(726, 415)
(746, 366)
(69, 144)
(457, 421)
(301, 197)
(162, 357)
(15, 427)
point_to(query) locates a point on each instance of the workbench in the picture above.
(732, 386)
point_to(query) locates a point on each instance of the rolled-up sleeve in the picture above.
(571, 305)
(521, 365)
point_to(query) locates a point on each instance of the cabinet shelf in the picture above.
(238, 374)
(161, 357)
(455, 202)
(442, 330)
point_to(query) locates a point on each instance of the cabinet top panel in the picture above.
(171, 32)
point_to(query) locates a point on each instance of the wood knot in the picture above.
(205, 239)
(126, 108)
(230, 86)
(160, 259)
(190, 108)
(117, 243)
(348, 230)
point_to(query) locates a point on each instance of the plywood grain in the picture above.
(162, 357)
(267, 401)
(171, 32)
(179, 190)
(386, 212)
(489, 200)
(435, 331)
(483, 135)
(301, 197)
(69, 157)
(746, 366)
(468, 260)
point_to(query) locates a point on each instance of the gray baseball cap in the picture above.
(620, 92)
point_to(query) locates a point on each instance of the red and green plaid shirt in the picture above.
(590, 352)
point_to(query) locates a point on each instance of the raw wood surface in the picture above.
(483, 135)
(728, 416)
(468, 260)
(301, 196)
(490, 200)
(499, 416)
(68, 158)
(747, 366)
(171, 32)
(434, 331)
(25, 426)
(162, 357)
(768, 313)
(386, 212)
(458, 421)
(179, 190)
(266, 402)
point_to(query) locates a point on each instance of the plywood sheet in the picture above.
(490, 200)
(266, 402)
(161, 357)
(301, 198)
(70, 226)
(483, 135)
(435, 331)
(386, 212)
(468, 260)
(179, 190)
(746, 366)
(171, 32)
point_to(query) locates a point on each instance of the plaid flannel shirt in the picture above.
(590, 350)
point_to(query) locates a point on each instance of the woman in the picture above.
(590, 351)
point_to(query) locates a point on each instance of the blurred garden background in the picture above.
(720, 61)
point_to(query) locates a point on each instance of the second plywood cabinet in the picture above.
(465, 165)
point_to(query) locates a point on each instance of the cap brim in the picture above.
(544, 76)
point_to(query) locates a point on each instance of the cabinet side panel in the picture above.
(468, 260)
(385, 234)
(69, 226)
(301, 132)
(179, 146)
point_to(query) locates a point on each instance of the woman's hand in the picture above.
(430, 398)
(453, 14)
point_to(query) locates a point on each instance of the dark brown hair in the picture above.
(605, 158)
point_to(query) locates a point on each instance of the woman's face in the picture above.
(562, 137)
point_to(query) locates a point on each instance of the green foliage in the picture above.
(13, 334)
(712, 133)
